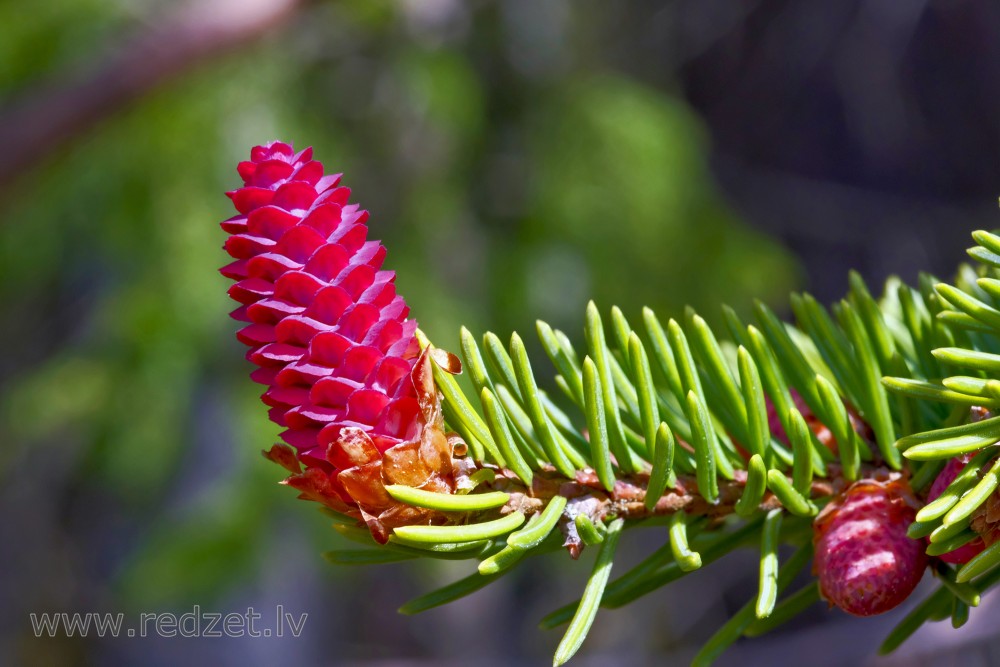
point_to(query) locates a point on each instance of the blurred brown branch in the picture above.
(43, 119)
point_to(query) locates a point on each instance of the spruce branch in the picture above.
(843, 434)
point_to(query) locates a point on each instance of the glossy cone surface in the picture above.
(865, 563)
(331, 341)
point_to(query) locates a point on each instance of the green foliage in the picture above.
(30, 46)
(599, 199)
(865, 356)
(108, 248)
(610, 198)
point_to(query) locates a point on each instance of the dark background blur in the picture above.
(518, 158)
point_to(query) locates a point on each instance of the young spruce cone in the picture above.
(865, 562)
(332, 343)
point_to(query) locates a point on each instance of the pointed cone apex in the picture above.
(332, 342)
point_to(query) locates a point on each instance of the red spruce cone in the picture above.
(332, 343)
(865, 562)
(823, 434)
(818, 428)
(986, 519)
(968, 551)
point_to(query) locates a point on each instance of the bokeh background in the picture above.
(517, 158)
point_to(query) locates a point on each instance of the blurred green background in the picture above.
(517, 159)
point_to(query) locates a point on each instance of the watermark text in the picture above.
(195, 623)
